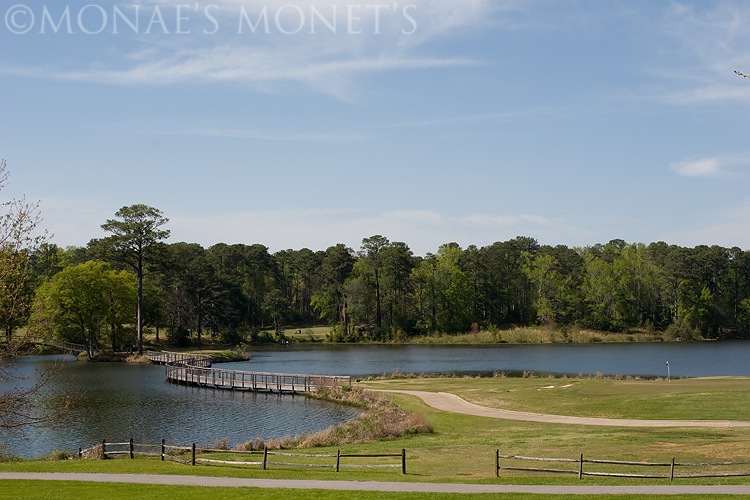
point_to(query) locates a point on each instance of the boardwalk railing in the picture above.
(576, 466)
(195, 369)
(179, 358)
(62, 345)
(192, 455)
(253, 381)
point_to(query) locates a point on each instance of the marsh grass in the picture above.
(379, 420)
(538, 335)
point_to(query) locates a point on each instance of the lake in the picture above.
(699, 359)
(118, 401)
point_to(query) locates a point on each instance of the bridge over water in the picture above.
(195, 369)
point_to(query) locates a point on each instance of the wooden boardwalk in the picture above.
(178, 358)
(190, 369)
(67, 347)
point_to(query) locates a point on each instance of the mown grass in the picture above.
(720, 398)
(71, 489)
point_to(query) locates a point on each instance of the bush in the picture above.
(380, 420)
(681, 330)
(59, 455)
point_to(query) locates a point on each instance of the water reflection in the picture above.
(116, 401)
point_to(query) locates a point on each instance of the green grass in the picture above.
(72, 489)
(722, 398)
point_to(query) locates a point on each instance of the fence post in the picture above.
(497, 463)
(338, 460)
(192, 460)
(265, 457)
(403, 460)
(580, 466)
(104, 448)
(671, 470)
(131, 448)
(80, 452)
(162, 449)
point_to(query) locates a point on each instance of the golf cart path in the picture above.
(451, 403)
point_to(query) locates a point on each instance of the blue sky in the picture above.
(306, 124)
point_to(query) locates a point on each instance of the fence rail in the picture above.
(710, 468)
(192, 455)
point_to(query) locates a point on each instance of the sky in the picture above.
(303, 124)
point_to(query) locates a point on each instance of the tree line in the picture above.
(378, 292)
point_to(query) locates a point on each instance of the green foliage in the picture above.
(383, 293)
(87, 303)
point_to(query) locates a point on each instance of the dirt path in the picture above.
(378, 486)
(454, 404)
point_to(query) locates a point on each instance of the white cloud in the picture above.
(319, 44)
(710, 167)
(706, 167)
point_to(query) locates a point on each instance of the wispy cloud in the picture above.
(510, 116)
(266, 136)
(705, 167)
(714, 42)
(709, 167)
(322, 45)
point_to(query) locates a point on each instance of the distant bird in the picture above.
(741, 74)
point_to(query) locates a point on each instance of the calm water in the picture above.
(118, 401)
(685, 359)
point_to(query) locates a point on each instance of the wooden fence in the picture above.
(193, 455)
(253, 381)
(576, 466)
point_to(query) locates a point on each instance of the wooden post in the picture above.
(80, 452)
(192, 460)
(162, 449)
(497, 463)
(580, 466)
(338, 459)
(131, 448)
(104, 448)
(403, 460)
(671, 470)
(265, 457)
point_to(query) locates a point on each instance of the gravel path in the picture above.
(377, 486)
(454, 404)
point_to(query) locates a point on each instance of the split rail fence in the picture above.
(192, 455)
(634, 469)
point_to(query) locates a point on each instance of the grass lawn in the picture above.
(721, 398)
(71, 489)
